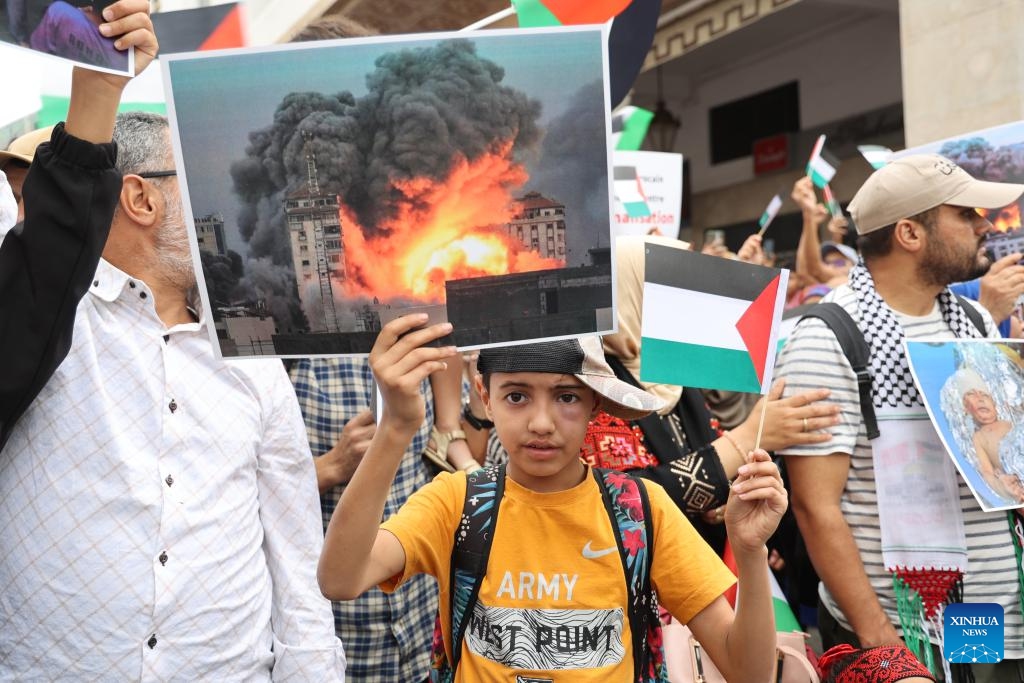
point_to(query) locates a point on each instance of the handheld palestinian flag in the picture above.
(831, 202)
(769, 214)
(630, 193)
(634, 23)
(629, 128)
(876, 155)
(709, 322)
(822, 164)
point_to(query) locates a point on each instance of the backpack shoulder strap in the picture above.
(857, 352)
(473, 537)
(628, 507)
(973, 314)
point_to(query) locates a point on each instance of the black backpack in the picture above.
(857, 352)
(484, 490)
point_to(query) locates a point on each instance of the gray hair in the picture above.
(142, 142)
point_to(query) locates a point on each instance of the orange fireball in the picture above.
(449, 229)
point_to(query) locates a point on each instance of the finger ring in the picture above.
(805, 424)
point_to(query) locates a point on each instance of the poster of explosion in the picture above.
(995, 154)
(333, 186)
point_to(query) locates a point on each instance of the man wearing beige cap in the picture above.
(889, 509)
(15, 160)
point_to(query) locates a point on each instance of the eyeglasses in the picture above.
(156, 174)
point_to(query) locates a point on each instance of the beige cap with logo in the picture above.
(906, 187)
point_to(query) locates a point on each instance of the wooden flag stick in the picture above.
(493, 19)
(760, 424)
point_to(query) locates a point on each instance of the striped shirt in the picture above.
(387, 637)
(811, 359)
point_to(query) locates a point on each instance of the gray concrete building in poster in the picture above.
(210, 233)
(539, 225)
(318, 253)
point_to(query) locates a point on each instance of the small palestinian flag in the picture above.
(629, 128)
(709, 322)
(555, 12)
(831, 202)
(822, 164)
(770, 213)
(876, 155)
(630, 193)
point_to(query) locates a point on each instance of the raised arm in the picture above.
(808, 251)
(357, 554)
(48, 262)
(743, 645)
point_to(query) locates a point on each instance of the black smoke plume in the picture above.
(423, 110)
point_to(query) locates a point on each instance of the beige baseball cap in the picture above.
(24, 147)
(916, 183)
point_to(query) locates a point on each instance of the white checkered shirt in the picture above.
(158, 513)
(387, 637)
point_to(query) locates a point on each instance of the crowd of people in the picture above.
(169, 515)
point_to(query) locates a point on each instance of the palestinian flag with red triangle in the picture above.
(709, 322)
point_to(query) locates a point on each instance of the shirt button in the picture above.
(131, 284)
(142, 295)
(172, 405)
(163, 559)
(169, 480)
(95, 283)
(152, 641)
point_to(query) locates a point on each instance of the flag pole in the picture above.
(760, 424)
(493, 19)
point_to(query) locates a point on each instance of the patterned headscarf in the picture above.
(893, 385)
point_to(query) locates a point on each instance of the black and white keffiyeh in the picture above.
(892, 383)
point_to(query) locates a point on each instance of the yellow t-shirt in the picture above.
(552, 606)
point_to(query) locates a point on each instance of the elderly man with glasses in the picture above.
(159, 517)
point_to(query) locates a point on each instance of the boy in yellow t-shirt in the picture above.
(553, 603)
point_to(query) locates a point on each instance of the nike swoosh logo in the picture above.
(592, 554)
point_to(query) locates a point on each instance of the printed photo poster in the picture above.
(648, 189)
(69, 30)
(332, 185)
(974, 392)
(995, 154)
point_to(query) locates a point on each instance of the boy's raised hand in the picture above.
(400, 362)
(756, 504)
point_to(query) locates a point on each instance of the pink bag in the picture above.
(688, 663)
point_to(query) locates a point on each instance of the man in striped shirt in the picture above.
(919, 231)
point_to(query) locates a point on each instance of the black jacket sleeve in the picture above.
(48, 262)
